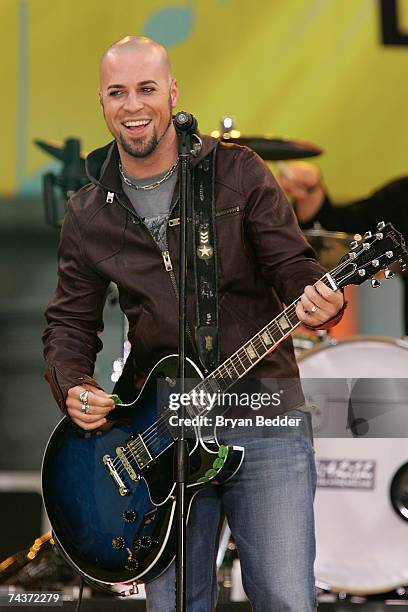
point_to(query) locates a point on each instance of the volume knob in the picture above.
(118, 543)
(145, 542)
(129, 516)
(132, 565)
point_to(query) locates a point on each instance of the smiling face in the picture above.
(138, 95)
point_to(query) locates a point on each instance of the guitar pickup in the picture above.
(139, 451)
(108, 462)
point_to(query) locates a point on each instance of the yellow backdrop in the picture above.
(310, 69)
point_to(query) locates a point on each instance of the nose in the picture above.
(133, 102)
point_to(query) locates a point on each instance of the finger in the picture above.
(314, 297)
(313, 319)
(76, 407)
(333, 301)
(334, 297)
(324, 290)
(308, 305)
(100, 393)
(89, 426)
(92, 410)
(86, 417)
(96, 397)
(104, 400)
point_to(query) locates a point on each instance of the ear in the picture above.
(100, 97)
(174, 93)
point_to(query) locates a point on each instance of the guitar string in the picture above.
(160, 426)
(150, 435)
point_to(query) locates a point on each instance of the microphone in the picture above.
(185, 122)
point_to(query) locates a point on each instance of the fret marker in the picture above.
(266, 338)
(283, 323)
(250, 351)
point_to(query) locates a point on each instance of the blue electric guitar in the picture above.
(109, 493)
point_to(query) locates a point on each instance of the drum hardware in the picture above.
(399, 492)
(38, 566)
(58, 188)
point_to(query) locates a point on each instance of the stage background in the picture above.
(311, 69)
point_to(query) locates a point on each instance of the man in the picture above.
(304, 184)
(117, 229)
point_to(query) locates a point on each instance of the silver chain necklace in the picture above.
(154, 185)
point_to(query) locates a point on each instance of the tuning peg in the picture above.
(366, 246)
(367, 235)
(357, 237)
(353, 244)
(375, 263)
(361, 272)
(352, 255)
(389, 254)
(379, 235)
(375, 283)
(388, 273)
(380, 225)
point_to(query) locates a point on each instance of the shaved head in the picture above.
(137, 46)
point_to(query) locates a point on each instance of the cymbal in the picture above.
(274, 149)
(330, 247)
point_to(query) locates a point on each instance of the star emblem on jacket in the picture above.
(204, 251)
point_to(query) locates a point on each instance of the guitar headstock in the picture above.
(369, 254)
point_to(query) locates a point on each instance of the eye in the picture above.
(148, 90)
(115, 93)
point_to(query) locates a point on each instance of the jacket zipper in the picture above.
(166, 259)
(169, 268)
(227, 211)
(220, 213)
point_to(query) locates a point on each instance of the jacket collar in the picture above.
(102, 164)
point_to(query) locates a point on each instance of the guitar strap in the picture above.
(205, 262)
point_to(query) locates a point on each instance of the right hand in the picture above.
(100, 404)
(302, 181)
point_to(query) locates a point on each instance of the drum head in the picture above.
(362, 541)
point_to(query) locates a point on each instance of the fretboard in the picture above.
(251, 353)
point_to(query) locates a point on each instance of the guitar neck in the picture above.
(253, 351)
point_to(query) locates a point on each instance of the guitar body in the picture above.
(112, 518)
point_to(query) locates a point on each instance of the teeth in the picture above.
(137, 123)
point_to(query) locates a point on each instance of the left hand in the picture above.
(318, 304)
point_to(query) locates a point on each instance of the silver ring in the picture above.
(314, 309)
(83, 397)
(85, 408)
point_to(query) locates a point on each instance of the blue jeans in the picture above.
(269, 508)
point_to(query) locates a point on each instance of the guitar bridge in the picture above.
(123, 490)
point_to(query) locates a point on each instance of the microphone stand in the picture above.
(186, 126)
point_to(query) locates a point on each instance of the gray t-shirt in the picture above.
(153, 205)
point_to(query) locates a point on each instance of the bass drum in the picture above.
(361, 506)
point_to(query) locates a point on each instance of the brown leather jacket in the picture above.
(263, 261)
